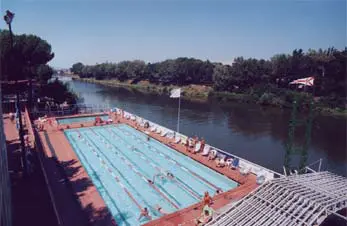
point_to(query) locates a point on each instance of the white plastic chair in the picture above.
(197, 147)
(206, 151)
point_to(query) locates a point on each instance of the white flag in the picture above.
(175, 93)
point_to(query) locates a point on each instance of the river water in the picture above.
(250, 131)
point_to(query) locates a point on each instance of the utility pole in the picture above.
(8, 18)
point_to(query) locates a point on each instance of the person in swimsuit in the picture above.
(170, 175)
(207, 200)
(160, 210)
(204, 218)
(218, 191)
(145, 213)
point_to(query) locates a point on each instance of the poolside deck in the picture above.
(56, 145)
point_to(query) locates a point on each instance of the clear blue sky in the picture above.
(95, 31)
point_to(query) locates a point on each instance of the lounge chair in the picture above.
(235, 163)
(177, 140)
(245, 170)
(163, 133)
(206, 151)
(260, 179)
(197, 147)
(158, 131)
(170, 135)
(153, 128)
(133, 118)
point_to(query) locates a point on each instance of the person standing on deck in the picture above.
(202, 146)
(207, 200)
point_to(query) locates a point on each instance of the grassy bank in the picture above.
(201, 93)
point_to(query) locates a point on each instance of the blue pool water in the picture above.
(120, 160)
(79, 119)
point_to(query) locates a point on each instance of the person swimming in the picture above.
(145, 213)
(170, 175)
(160, 209)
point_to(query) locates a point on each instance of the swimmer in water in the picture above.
(170, 175)
(160, 209)
(145, 213)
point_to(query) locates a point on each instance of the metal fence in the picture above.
(5, 188)
(254, 168)
(71, 110)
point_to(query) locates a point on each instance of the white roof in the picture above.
(294, 200)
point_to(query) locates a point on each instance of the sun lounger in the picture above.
(170, 135)
(133, 118)
(153, 128)
(163, 133)
(158, 131)
(235, 163)
(197, 147)
(177, 140)
(206, 151)
(260, 179)
(245, 170)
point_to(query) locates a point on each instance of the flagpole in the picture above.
(178, 117)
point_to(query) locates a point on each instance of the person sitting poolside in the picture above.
(220, 162)
(205, 217)
(160, 209)
(202, 145)
(187, 145)
(145, 213)
(212, 155)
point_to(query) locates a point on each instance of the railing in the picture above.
(72, 109)
(254, 168)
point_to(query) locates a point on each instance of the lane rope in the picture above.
(141, 175)
(170, 159)
(110, 171)
(158, 168)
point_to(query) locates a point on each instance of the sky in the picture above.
(96, 31)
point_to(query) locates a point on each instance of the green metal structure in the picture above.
(292, 149)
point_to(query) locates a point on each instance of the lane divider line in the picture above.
(143, 177)
(175, 162)
(160, 170)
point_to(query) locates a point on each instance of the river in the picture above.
(247, 130)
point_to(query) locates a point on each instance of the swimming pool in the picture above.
(80, 119)
(120, 161)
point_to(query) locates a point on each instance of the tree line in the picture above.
(27, 59)
(253, 76)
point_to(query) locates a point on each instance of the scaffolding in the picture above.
(305, 199)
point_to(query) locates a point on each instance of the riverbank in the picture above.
(202, 93)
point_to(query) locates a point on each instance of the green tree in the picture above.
(77, 68)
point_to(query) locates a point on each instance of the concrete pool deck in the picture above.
(55, 144)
